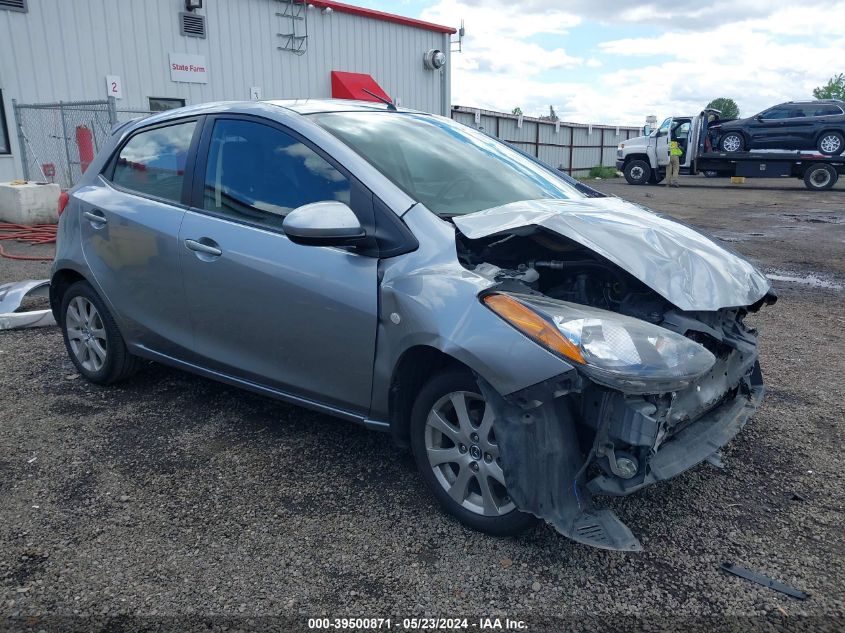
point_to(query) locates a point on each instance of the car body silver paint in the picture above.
(684, 266)
(133, 257)
(438, 306)
(313, 307)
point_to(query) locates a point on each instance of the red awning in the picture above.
(351, 86)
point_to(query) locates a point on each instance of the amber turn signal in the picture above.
(533, 325)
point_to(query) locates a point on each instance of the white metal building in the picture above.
(155, 54)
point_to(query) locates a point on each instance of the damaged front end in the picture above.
(653, 389)
(570, 438)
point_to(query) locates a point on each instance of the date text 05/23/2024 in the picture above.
(418, 624)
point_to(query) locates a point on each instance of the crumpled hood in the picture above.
(685, 267)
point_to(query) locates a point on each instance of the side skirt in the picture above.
(144, 352)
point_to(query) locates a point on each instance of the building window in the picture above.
(160, 104)
(5, 144)
(14, 5)
(153, 162)
(257, 173)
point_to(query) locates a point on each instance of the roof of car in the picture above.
(814, 101)
(313, 106)
(291, 107)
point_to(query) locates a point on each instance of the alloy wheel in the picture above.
(732, 143)
(86, 334)
(831, 144)
(636, 172)
(463, 453)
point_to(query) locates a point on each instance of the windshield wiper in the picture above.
(390, 104)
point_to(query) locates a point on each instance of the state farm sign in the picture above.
(188, 68)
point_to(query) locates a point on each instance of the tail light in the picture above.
(64, 198)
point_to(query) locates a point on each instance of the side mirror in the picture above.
(328, 223)
(759, 118)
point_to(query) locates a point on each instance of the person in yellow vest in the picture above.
(675, 153)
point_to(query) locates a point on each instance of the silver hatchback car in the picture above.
(534, 342)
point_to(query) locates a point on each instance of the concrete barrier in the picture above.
(29, 203)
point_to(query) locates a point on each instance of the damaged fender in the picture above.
(544, 468)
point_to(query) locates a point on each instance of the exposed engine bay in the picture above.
(561, 269)
(609, 440)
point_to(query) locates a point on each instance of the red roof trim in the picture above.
(380, 15)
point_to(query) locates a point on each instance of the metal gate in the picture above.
(59, 140)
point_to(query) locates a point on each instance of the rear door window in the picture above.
(152, 162)
(822, 110)
(259, 174)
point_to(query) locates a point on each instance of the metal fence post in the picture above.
(21, 139)
(67, 144)
(112, 107)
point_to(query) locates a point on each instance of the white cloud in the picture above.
(758, 52)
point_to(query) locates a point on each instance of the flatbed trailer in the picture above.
(819, 172)
(643, 160)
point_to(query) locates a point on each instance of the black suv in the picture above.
(796, 125)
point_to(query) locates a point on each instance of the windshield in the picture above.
(450, 168)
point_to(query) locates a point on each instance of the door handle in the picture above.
(96, 218)
(205, 249)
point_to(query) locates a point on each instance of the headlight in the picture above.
(613, 349)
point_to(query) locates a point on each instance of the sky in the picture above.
(615, 62)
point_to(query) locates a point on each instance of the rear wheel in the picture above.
(732, 142)
(820, 177)
(456, 451)
(91, 337)
(831, 143)
(637, 172)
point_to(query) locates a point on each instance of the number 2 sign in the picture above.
(114, 87)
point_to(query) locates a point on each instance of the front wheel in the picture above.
(831, 143)
(732, 142)
(637, 172)
(456, 451)
(820, 177)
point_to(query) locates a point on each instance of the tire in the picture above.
(495, 513)
(831, 143)
(637, 172)
(93, 342)
(820, 177)
(732, 142)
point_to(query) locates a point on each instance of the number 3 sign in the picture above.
(114, 87)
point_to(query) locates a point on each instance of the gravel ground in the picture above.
(173, 495)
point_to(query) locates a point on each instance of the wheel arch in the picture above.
(638, 156)
(827, 130)
(60, 281)
(413, 369)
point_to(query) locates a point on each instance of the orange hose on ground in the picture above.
(36, 234)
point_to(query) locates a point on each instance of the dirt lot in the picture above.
(173, 495)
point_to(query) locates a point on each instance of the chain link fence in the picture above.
(59, 140)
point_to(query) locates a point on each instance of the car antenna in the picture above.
(390, 104)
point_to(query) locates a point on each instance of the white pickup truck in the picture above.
(643, 159)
